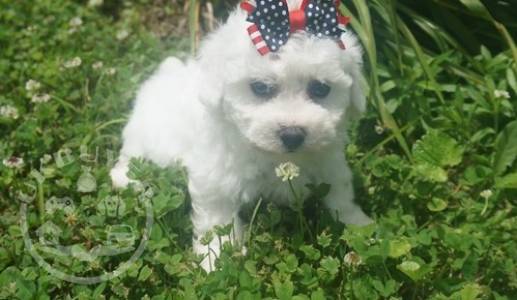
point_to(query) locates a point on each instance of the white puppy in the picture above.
(232, 115)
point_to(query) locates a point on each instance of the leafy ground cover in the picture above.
(434, 160)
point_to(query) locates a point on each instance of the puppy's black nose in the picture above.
(292, 137)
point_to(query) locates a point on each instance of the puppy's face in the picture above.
(291, 101)
(295, 100)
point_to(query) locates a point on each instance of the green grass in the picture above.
(434, 157)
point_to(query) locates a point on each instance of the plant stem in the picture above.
(41, 201)
(194, 24)
(297, 204)
(299, 209)
(485, 207)
(252, 221)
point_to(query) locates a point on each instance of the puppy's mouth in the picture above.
(281, 150)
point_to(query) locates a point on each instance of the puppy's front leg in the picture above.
(340, 200)
(209, 211)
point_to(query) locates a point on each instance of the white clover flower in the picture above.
(32, 85)
(40, 98)
(76, 22)
(287, 171)
(502, 94)
(30, 29)
(352, 259)
(122, 34)
(371, 190)
(8, 111)
(486, 194)
(94, 3)
(97, 65)
(111, 71)
(13, 162)
(379, 129)
(46, 159)
(12, 288)
(73, 63)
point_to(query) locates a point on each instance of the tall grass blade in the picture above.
(194, 6)
(421, 58)
(392, 14)
(451, 23)
(440, 36)
(366, 35)
(479, 9)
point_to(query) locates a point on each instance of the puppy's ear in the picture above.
(357, 95)
(353, 63)
(221, 57)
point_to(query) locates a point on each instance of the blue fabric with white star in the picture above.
(272, 20)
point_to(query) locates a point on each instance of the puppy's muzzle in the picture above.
(292, 137)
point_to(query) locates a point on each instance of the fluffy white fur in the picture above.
(204, 115)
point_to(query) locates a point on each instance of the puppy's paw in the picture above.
(209, 252)
(119, 177)
(208, 263)
(358, 217)
(212, 251)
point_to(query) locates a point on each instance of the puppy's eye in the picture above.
(263, 90)
(318, 90)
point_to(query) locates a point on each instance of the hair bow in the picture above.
(273, 22)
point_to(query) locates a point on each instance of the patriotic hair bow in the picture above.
(273, 22)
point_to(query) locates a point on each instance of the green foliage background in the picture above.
(434, 158)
